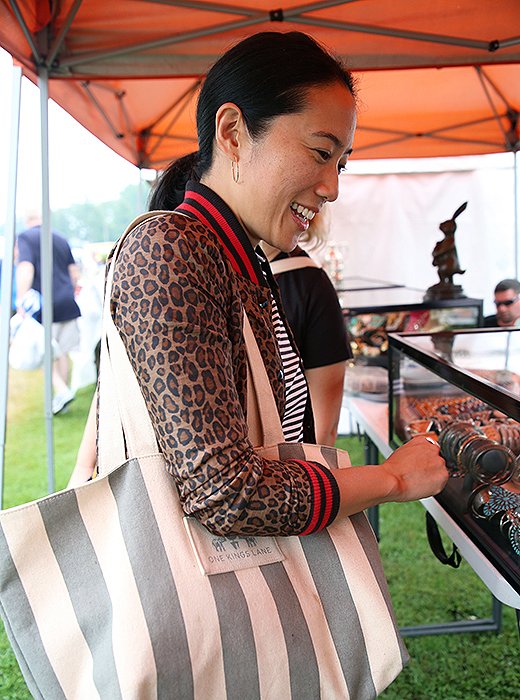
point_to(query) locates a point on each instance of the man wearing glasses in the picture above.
(507, 302)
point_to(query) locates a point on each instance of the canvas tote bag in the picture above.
(108, 591)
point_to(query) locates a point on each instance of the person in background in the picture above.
(316, 321)
(65, 331)
(275, 121)
(507, 302)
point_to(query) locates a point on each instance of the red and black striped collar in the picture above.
(201, 203)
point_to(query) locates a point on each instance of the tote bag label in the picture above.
(218, 555)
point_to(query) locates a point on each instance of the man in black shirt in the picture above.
(65, 330)
(507, 302)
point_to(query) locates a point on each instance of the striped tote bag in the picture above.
(108, 591)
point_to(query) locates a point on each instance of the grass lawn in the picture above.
(482, 666)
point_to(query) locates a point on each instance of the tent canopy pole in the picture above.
(46, 274)
(7, 266)
(516, 195)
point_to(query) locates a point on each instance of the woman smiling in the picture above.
(276, 118)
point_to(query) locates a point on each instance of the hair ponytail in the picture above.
(168, 190)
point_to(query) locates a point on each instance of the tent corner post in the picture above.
(7, 265)
(46, 274)
(516, 222)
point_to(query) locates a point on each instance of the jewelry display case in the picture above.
(354, 283)
(370, 314)
(462, 388)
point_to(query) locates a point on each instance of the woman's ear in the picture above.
(230, 129)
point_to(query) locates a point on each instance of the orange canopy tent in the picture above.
(129, 71)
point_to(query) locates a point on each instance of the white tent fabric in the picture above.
(386, 226)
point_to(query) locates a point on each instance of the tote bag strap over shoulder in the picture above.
(125, 428)
(287, 264)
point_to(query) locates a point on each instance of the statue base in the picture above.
(442, 291)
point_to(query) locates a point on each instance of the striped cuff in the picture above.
(324, 497)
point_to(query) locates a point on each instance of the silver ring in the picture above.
(432, 441)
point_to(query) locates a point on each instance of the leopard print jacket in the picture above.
(179, 290)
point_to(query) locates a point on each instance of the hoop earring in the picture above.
(235, 170)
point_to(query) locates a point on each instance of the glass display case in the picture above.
(370, 314)
(463, 389)
(349, 284)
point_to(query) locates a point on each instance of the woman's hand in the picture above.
(417, 469)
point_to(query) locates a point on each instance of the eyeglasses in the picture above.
(508, 302)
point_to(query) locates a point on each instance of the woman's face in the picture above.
(292, 169)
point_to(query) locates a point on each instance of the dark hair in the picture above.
(168, 190)
(265, 75)
(504, 285)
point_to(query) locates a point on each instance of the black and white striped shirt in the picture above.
(294, 380)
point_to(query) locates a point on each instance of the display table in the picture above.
(372, 418)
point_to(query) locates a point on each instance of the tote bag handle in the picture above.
(124, 429)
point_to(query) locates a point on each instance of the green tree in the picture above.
(89, 222)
